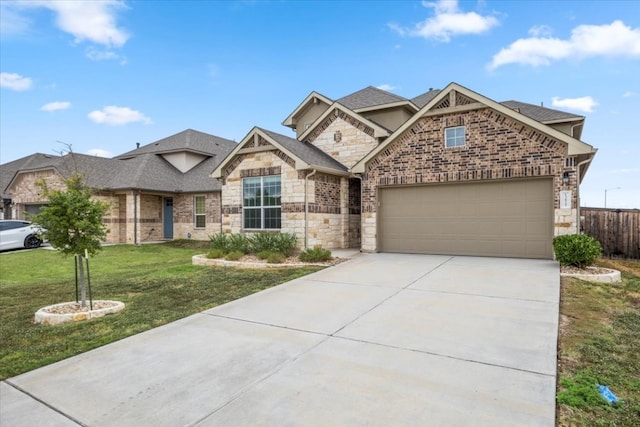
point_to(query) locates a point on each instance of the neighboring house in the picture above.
(159, 191)
(447, 172)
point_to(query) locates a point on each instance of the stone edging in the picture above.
(203, 260)
(46, 318)
(612, 277)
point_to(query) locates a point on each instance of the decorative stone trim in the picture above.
(613, 276)
(247, 173)
(218, 262)
(344, 116)
(48, 316)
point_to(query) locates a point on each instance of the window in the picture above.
(200, 211)
(454, 137)
(261, 203)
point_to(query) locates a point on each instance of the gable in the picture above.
(497, 147)
(184, 161)
(355, 119)
(303, 155)
(458, 99)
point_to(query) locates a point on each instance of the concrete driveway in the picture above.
(382, 340)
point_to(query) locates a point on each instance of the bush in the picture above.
(275, 258)
(238, 243)
(577, 250)
(215, 253)
(285, 243)
(316, 254)
(234, 256)
(219, 241)
(263, 254)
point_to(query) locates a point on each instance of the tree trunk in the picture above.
(83, 288)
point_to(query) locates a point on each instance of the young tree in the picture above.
(73, 222)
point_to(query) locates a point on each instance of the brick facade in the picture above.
(497, 147)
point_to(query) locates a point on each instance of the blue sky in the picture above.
(102, 76)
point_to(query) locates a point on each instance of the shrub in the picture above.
(275, 258)
(238, 243)
(263, 254)
(234, 256)
(219, 241)
(262, 242)
(215, 253)
(577, 250)
(316, 254)
(285, 243)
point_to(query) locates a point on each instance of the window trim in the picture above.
(202, 214)
(455, 138)
(262, 207)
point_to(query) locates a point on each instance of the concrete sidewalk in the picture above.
(382, 340)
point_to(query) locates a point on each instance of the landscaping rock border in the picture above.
(72, 312)
(203, 260)
(594, 274)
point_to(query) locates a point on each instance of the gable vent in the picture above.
(463, 100)
(443, 104)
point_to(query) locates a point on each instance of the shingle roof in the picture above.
(189, 140)
(369, 97)
(422, 100)
(142, 169)
(307, 152)
(539, 113)
(9, 169)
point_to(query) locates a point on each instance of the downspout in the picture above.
(573, 126)
(579, 220)
(135, 218)
(306, 209)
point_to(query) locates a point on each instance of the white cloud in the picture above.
(15, 81)
(11, 21)
(628, 94)
(540, 31)
(115, 116)
(615, 39)
(585, 103)
(448, 21)
(56, 106)
(99, 152)
(100, 55)
(90, 20)
(386, 87)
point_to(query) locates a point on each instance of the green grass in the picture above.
(600, 343)
(157, 283)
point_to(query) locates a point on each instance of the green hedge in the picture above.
(577, 250)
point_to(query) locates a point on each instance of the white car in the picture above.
(16, 234)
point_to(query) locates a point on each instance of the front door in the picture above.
(168, 217)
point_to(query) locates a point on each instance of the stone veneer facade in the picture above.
(497, 148)
(343, 138)
(328, 219)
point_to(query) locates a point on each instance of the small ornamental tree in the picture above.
(73, 222)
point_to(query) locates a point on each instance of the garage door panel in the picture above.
(509, 218)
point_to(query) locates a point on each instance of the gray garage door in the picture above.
(504, 219)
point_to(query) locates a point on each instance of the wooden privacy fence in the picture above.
(618, 230)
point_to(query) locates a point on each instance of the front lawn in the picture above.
(157, 283)
(600, 343)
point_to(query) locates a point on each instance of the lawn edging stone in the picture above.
(203, 260)
(50, 315)
(609, 276)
